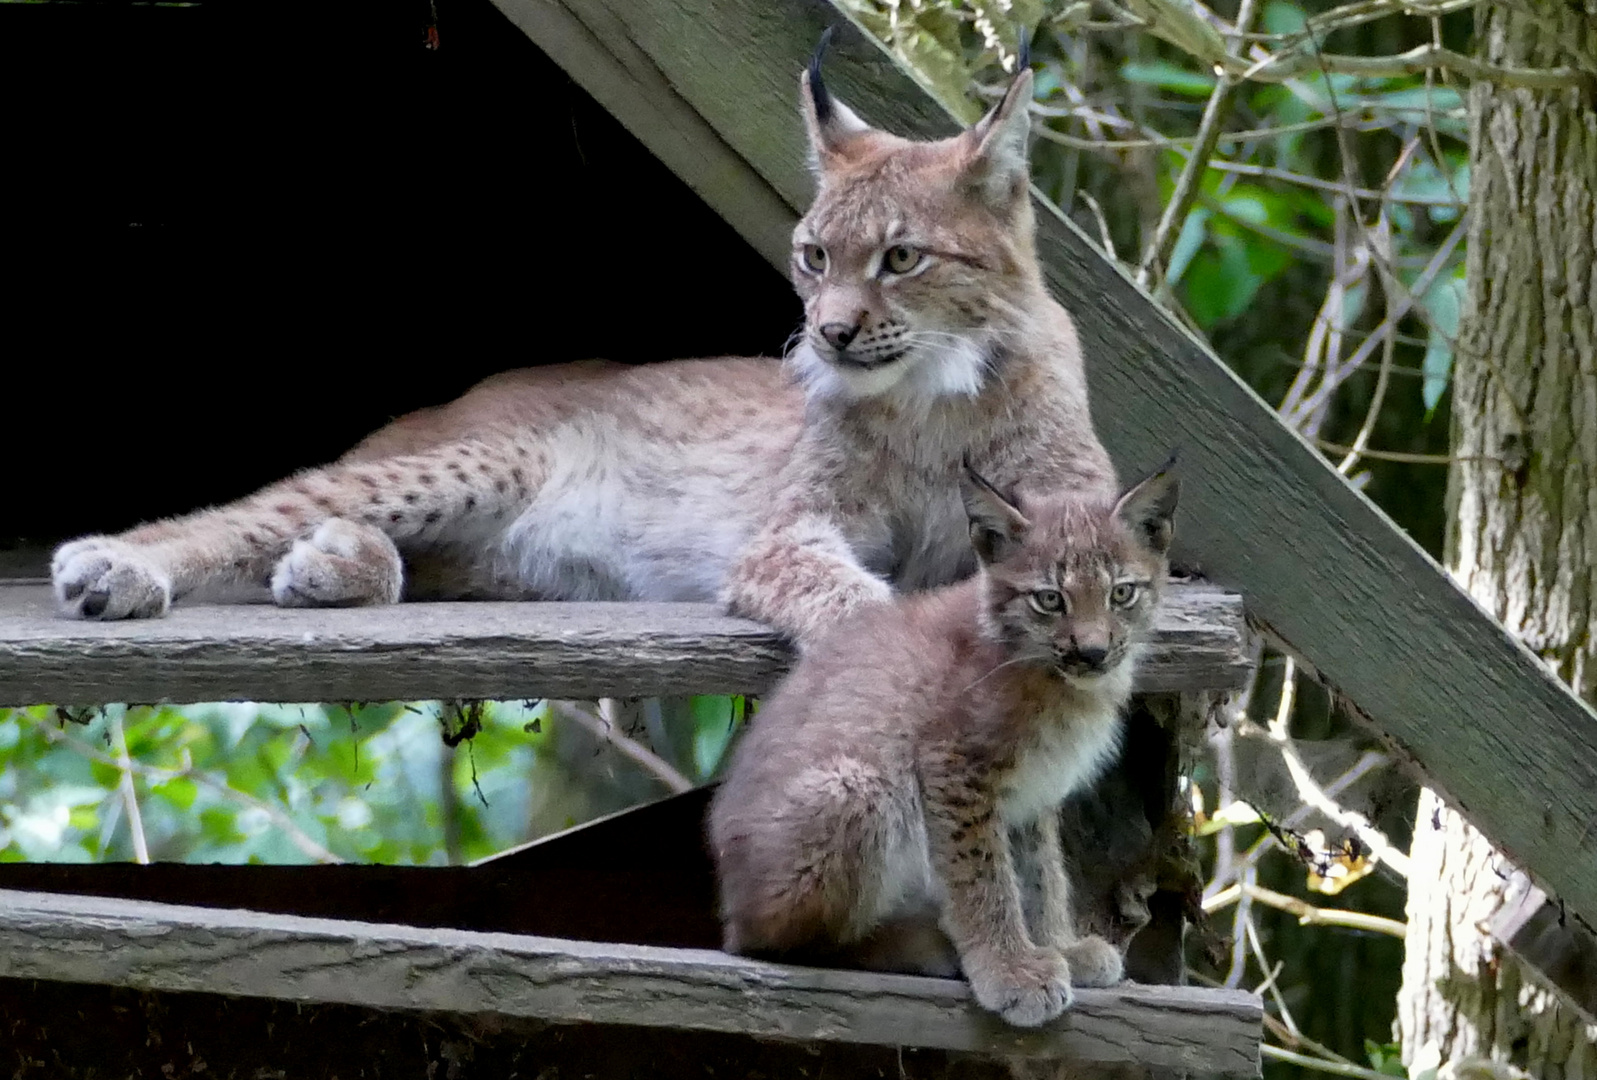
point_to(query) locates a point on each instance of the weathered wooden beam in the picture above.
(487, 650)
(81, 939)
(1324, 569)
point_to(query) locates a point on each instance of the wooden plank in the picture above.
(1324, 570)
(412, 652)
(63, 938)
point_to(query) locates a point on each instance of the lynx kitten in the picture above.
(794, 494)
(904, 781)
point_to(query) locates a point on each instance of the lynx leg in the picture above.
(341, 564)
(418, 498)
(984, 915)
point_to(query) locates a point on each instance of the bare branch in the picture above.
(1308, 914)
(1358, 1072)
(631, 749)
(1279, 67)
(130, 798)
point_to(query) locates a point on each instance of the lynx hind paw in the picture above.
(341, 564)
(103, 578)
(1094, 962)
(1028, 991)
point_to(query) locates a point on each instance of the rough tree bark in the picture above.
(1522, 517)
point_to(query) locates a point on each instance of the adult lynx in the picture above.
(906, 778)
(794, 494)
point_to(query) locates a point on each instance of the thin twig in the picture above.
(1335, 1067)
(1407, 458)
(1174, 216)
(1302, 180)
(631, 749)
(1280, 1031)
(1264, 965)
(130, 798)
(1281, 66)
(1103, 224)
(1239, 937)
(1406, 301)
(1377, 398)
(1307, 914)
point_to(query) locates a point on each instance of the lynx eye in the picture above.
(1123, 594)
(813, 257)
(1048, 601)
(901, 259)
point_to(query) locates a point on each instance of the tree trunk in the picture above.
(1522, 516)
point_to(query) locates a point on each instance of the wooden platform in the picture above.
(474, 650)
(165, 947)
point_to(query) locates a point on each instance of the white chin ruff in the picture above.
(956, 368)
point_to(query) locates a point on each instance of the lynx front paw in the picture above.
(103, 578)
(341, 564)
(1026, 990)
(1094, 962)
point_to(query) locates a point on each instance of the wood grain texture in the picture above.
(1323, 569)
(473, 650)
(62, 938)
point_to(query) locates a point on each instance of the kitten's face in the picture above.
(906, 257)
(1073, 584)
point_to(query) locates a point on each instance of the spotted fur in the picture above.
(792, 492)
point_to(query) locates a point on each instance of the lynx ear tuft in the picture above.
(996, 524)
(998, 164)
(1149, 508)
(828, 121)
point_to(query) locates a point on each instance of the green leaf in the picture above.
(1281, 17)
(1444, 302)
(180, 791)
(1168, 76)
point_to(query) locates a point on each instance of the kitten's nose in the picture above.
(1092, 656)
(839, 334)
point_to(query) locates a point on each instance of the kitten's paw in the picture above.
(1026, 990)
(1094, 962)
(341, 564)
(100, 577)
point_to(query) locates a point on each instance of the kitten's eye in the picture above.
(901, 259)
(1123, 594)
(814, 258)
(1048, 601)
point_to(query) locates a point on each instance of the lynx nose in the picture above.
(1091, 656)
(839, 334)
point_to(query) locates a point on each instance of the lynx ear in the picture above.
(829, 122)
(1149, 508)
(997, 166)
(996, 525)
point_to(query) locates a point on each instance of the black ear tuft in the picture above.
(1149, 508)
(818, 93)
(1022, 50)
(996, 523)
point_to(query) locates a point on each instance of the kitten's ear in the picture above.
(1149, 508)
(997, 165)
(996, 525)
(829, 122)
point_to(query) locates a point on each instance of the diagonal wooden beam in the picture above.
(1323, 569)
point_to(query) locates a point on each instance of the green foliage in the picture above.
(243, 782)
